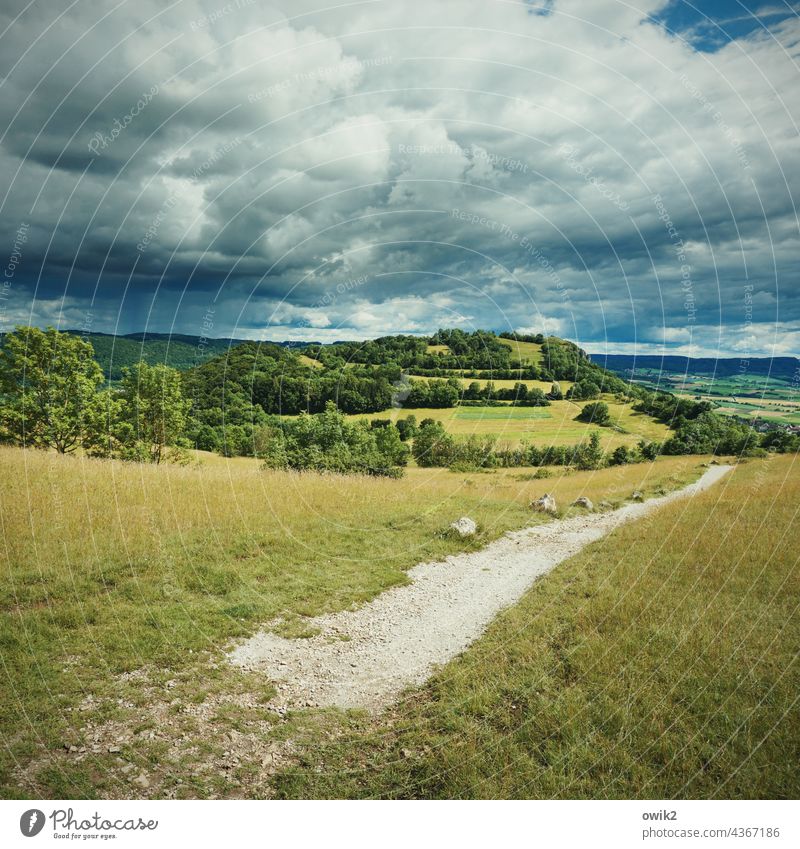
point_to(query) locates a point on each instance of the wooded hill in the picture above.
(289, 406)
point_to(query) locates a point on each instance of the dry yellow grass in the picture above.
(659, 663)
(108, 567)
(308, 361)
(65, 508)
(525, 352)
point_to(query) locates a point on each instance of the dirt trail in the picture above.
(365, 658)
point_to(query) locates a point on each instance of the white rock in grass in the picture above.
(545, 504)
(464, 527)
(584, 502)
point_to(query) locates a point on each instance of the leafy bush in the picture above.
(435, 394)
(433, 446)
(589, 455)
(781, 441)
(621, 456)
(532, 398)
(710, 433)
(649, 450)
(407, 428)
(329, 442)
(596, 413)
(583, 390)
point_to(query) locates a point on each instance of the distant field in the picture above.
(524, 351)
(544, 385)
(553, 425)
(308, 361)
(768, 411)
(747, 396)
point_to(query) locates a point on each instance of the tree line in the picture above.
(54, 395)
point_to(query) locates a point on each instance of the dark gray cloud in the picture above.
(324, 173)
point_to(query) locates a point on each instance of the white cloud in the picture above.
(359, 136)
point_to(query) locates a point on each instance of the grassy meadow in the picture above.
(661, 662)
(123, 585)
(525, 352)
(553, 425)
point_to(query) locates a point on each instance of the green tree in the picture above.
(433, 446)
(328, 442)
(590, 456)
(105, 432)
(583, 390)
(649, 450)
(407, 427)
(780, 441)
(391, 446)
(154, 408)
(621, 456)
(596, 413)
(49, 381)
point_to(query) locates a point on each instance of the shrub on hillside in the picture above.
(596, 413)
(433, 446)
(407, 428)
(329, 442)
(583, 390)
(710, 433)
(532, 398)
(555, 393)
(621, 456)
(649, 450)
(781, 442)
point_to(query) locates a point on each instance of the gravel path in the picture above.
(367, 657)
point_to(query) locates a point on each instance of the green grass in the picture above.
(480, 414)
(118, 579)
(661, 662)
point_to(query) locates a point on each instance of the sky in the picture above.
(622, 174)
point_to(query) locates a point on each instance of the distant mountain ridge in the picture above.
(179, 350)
(223, 342)
(779, 368)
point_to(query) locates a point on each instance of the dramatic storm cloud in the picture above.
(623, 174)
